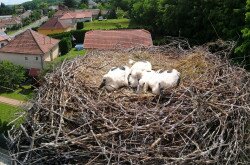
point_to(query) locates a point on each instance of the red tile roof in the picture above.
(79, 15)
(55, 23)
(117, 39)
(30, 42)
(67, 16)
(94, 12)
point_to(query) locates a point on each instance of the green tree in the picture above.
(79, 25)
(198, 20)
(121, 14)
(11, 75)
(84, 1)
(51, 13)
(4, 127)
(243, 51)
(70, 3)
(30, 5)
(65, 45)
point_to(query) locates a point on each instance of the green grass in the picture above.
(107, 24)
(23, 93)
(9, 113)
(9, 32)
(70, 55)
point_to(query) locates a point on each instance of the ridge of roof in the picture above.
(35, 40)
(45, 37)
(30, 42)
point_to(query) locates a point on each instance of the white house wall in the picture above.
(31, 61)
(68, 21)
(84, 19)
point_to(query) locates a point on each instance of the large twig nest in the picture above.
(202, 121)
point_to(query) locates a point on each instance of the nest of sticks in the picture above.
(203, 121)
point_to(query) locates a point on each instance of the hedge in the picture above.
(79, 25)
(65, 45)
(77, 34)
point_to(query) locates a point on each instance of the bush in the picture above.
(11, 75)
(77, 34)
(60, 36)
(79, 25)
(65, 45)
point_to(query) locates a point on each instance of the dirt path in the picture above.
(11, 101)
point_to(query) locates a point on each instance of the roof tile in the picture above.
(117, 39)
(55, 23)
(30, 42)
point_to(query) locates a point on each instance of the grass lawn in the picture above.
(9, 113)
(13, 31)
(107, 24)
(23, 93)
(70, 55)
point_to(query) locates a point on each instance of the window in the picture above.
(36, 58)
(26, 58)
(2, 45)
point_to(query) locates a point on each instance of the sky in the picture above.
(11, 2)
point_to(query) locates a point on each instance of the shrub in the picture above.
(77, 34)
(60, 36)
(11, 75)
(79, 25)
(65, 45)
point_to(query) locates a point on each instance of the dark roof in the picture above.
(55, 23)
(30, 42)
(117, 39)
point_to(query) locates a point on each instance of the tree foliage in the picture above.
(79, 25)
(4, 127)
(198, 20)
(243, 50)
(65, 45)
(70, 3)
(5, 10)
(11, 75)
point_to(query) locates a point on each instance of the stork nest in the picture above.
(203, 121)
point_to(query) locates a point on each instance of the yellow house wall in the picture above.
(52, 54)
(52, 31)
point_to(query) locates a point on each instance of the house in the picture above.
(117, 39)
(4, 39)
(2, 17)
(95, 12)
(55, 25)
(76, 16)
(92, 4)
(30, 50)
(10, 22)
(54, 7)
(105, 12)
(26, 14)
(3, 27)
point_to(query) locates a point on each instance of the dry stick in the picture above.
(125, 125)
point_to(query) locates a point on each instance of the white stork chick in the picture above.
(136, 71)
(115, 78)
(158, 81)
